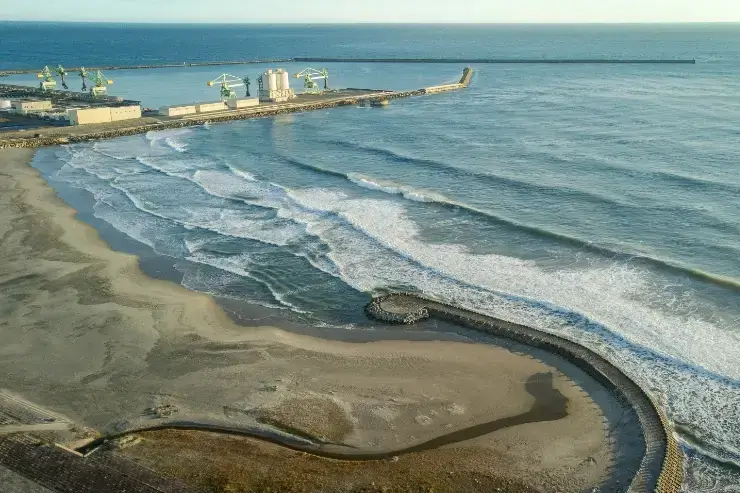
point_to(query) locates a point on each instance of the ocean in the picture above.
(598, 202)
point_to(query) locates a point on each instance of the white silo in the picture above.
(268, 81)
(285, 80)
(5, 104)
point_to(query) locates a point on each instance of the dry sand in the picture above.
(84, 332)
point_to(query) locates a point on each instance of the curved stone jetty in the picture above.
(661, 469)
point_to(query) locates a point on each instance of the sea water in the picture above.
(598, 202)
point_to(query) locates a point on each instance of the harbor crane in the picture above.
(48, 83)
(62, 74)
(228, 83)
(309, 76)
(83, 75)
(100, 84)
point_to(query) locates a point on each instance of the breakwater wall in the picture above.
(689, 61)
(8, 72)
(50, 140)
(464, 82)
(661, 469)
(571, 61)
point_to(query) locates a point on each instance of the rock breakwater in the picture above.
(661, 469)
(64, 135)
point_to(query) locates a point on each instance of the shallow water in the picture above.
(597, 202)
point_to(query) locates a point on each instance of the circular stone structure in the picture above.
(661, 467)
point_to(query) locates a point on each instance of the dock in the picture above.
(49, 135)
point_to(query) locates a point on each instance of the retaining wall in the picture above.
(661, 469)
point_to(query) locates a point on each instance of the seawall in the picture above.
(464, 82)
(64, 135)
(684, 61)
(146, 126)
(661, 469)
(689, 61)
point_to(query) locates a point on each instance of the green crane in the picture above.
(310, 76)
(62, 73)
(48, 83)
(83, 75)
(100, 84)
(227, 92)
(227, 83)
(247, 83)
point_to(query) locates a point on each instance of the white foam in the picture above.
(373, 244)
(242, 174)
(252, 192)
(617, 295)
(378, 247)
(168, 166)
(175, 139)
(238, 265)
(176, 144)
(153, 135)
(393, 188)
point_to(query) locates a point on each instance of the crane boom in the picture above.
(310, 75)
(227, 82)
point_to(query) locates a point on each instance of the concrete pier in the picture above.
(60, 135)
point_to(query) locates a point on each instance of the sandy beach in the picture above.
(84, 332)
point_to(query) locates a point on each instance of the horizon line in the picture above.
(348, 22)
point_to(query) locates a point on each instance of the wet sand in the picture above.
(84, 332)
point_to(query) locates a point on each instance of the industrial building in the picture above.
(177, 110)
(118, 113)
(207, 107)
(87, 116)
(274, 86)
(26, 106)
(239, 103)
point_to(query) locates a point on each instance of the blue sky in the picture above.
(305, 11)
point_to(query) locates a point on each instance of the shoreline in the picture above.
(91, 335)
(160, 267)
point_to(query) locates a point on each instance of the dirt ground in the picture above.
(242, 465)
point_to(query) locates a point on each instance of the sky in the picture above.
(306, 11)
